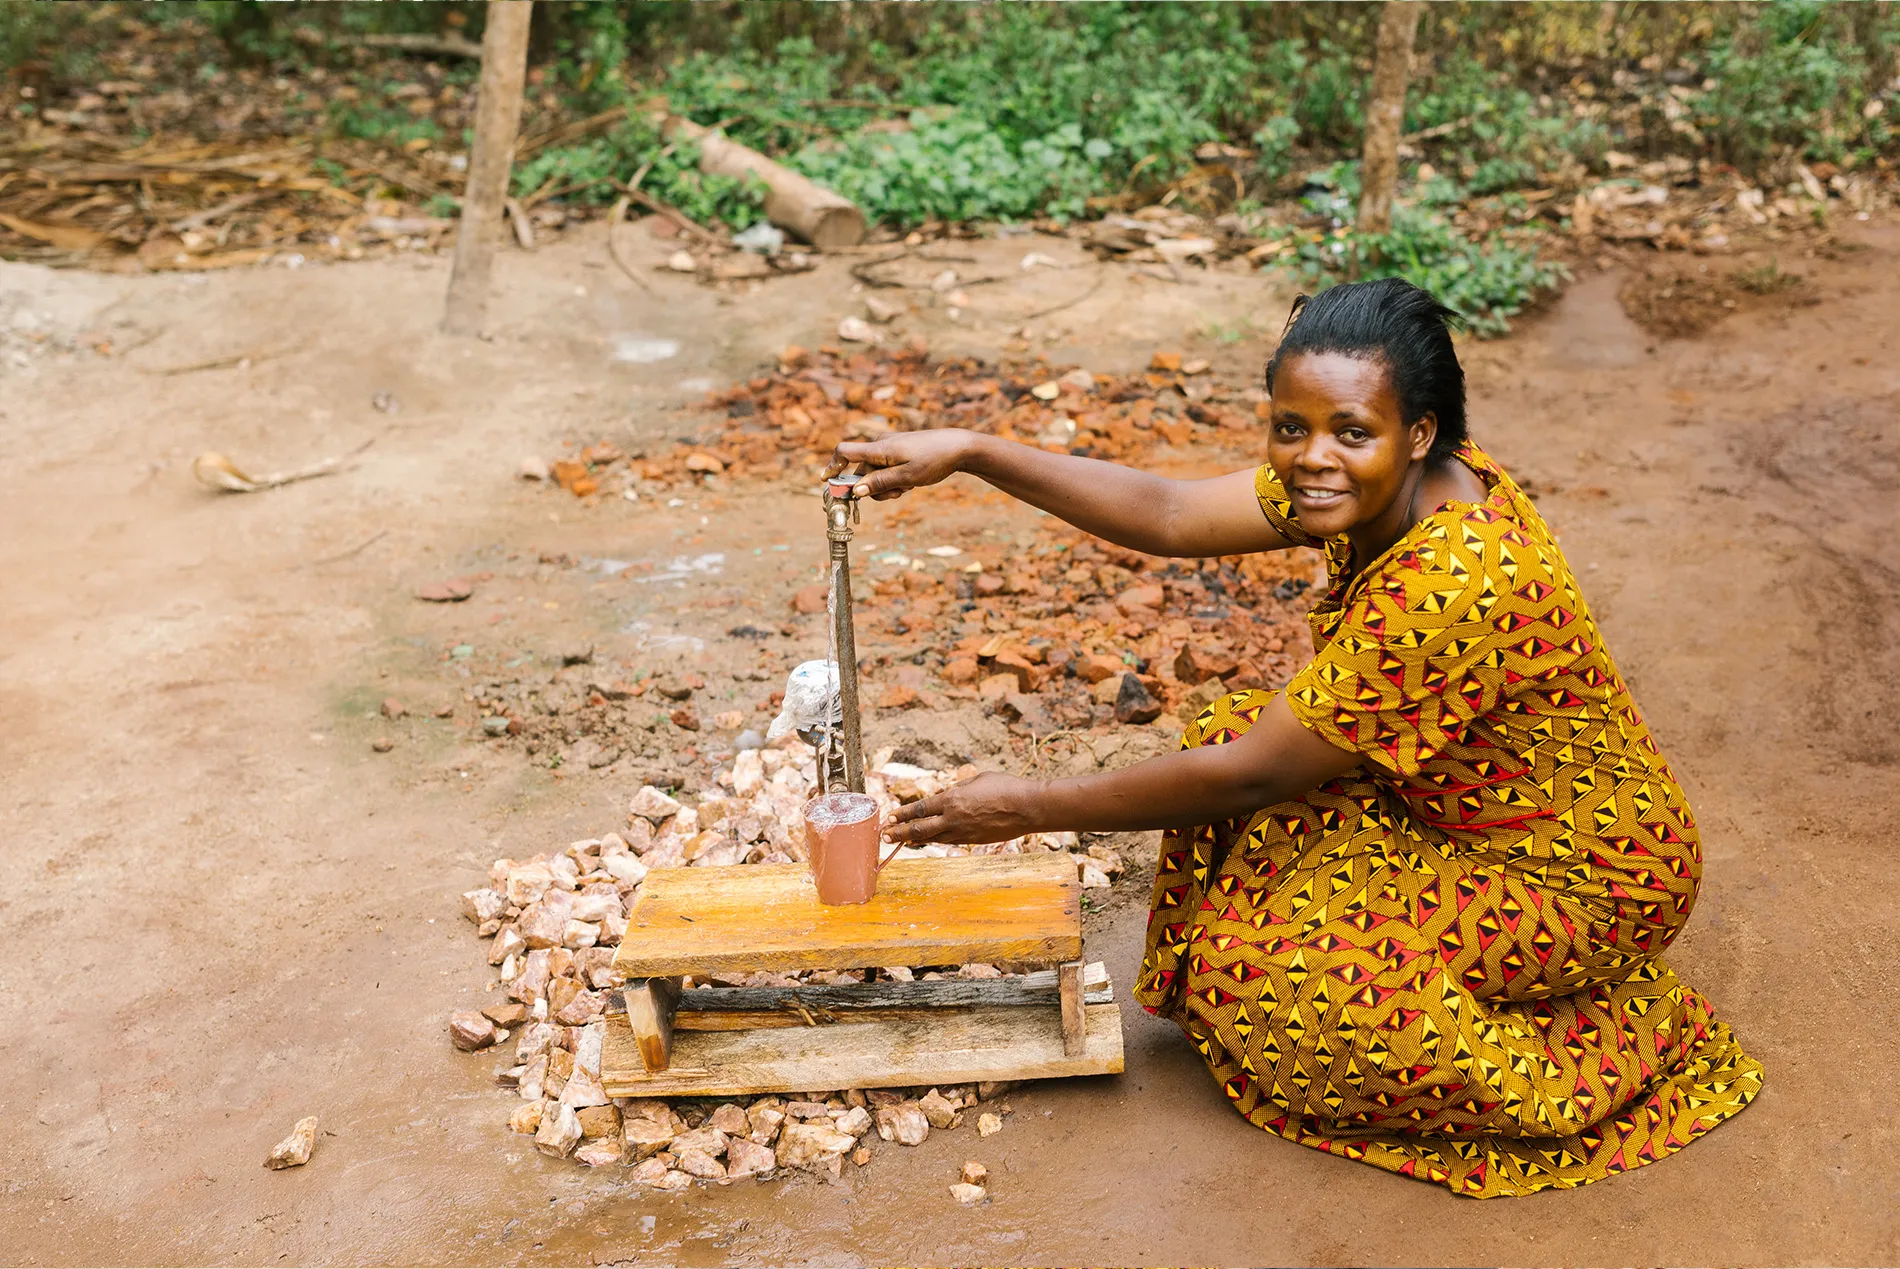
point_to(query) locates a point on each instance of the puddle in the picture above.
(640, 350)
(681, 567)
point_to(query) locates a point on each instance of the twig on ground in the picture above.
(197, 220)
(218, 363)
(358, 549)
(1100, 278)
(614, 219)
(215, 471)
(675, 215)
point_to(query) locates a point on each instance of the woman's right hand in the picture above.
(903, 460)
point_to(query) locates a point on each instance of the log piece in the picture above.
(824, 218)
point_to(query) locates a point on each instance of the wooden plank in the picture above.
(741, 1008)
(650, 1006)
(926, 912)
(948, 1048)
(1074, 1025)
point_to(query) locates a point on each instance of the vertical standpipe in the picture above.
(840, 513)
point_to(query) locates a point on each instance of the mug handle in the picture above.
(887, 859)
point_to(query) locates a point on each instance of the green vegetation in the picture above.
(934, 113)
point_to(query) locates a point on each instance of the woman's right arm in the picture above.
(1134, 509)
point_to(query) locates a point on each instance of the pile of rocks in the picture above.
(554, 920)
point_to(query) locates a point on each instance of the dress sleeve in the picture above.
(1419, 652)
(1279, 509)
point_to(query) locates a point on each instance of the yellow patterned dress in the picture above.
(1448, 964)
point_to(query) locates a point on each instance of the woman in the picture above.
(1411, 909)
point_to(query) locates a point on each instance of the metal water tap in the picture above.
(841, 514)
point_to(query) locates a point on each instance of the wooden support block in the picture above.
(650, 1008)
(926, 912)
(946, 1047)
(821, 1004)
(1074, 1025)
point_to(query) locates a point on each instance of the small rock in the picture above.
(1134, 703)
(904, 1123)
(294, 1151)
(682, 262)
(707, 1138)
(1193, 665)
(856, 1121)
(602, 1152)
(861, 1156)
(1137, 600)
(533, 468)
(898, 696)
(1046, 391)
(649, 1172)
(806, 1145)
(765, 1121)
(700, 1164)
(990, 1090)
(652, 805)
(393, 708)
(544, 923)
(975, 1173)
(731, 1120)
(807, 1110)
(857, 331)
(482, 905)
(967, 1194)
(509, 1015)
(810, 600)
(1166, 362)
(508, 941)
(559, 1134)
(674, 1181)
(745, 1158)
(881, 311)
(494, 725)
(645, 1138)
(685, 719)
(988, 1125)
(599, 1121)
(938, 1110)
(470, 1031)
(527, 1118)
(385, 402)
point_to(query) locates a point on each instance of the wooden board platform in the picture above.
(739, 1008)
(1019, 908)
(951, 1046)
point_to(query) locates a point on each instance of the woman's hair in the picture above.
(1402, 325)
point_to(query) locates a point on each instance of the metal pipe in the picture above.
(839, 514)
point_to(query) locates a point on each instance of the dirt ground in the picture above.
(224, 910)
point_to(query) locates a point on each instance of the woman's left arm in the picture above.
(1275, 761)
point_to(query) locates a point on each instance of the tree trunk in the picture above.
(1385, 114)
(497, 118)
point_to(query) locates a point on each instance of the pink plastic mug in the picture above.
(841, 837)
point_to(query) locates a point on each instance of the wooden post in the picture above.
(651, 1004)
(1385, 114)
(497, 116)
(1075, 1024)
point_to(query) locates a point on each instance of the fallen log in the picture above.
(822, 217)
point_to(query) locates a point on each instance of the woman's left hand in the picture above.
(990, 808)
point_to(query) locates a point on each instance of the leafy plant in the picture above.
(1487, 280)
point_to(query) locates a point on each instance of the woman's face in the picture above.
(1338, 443)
